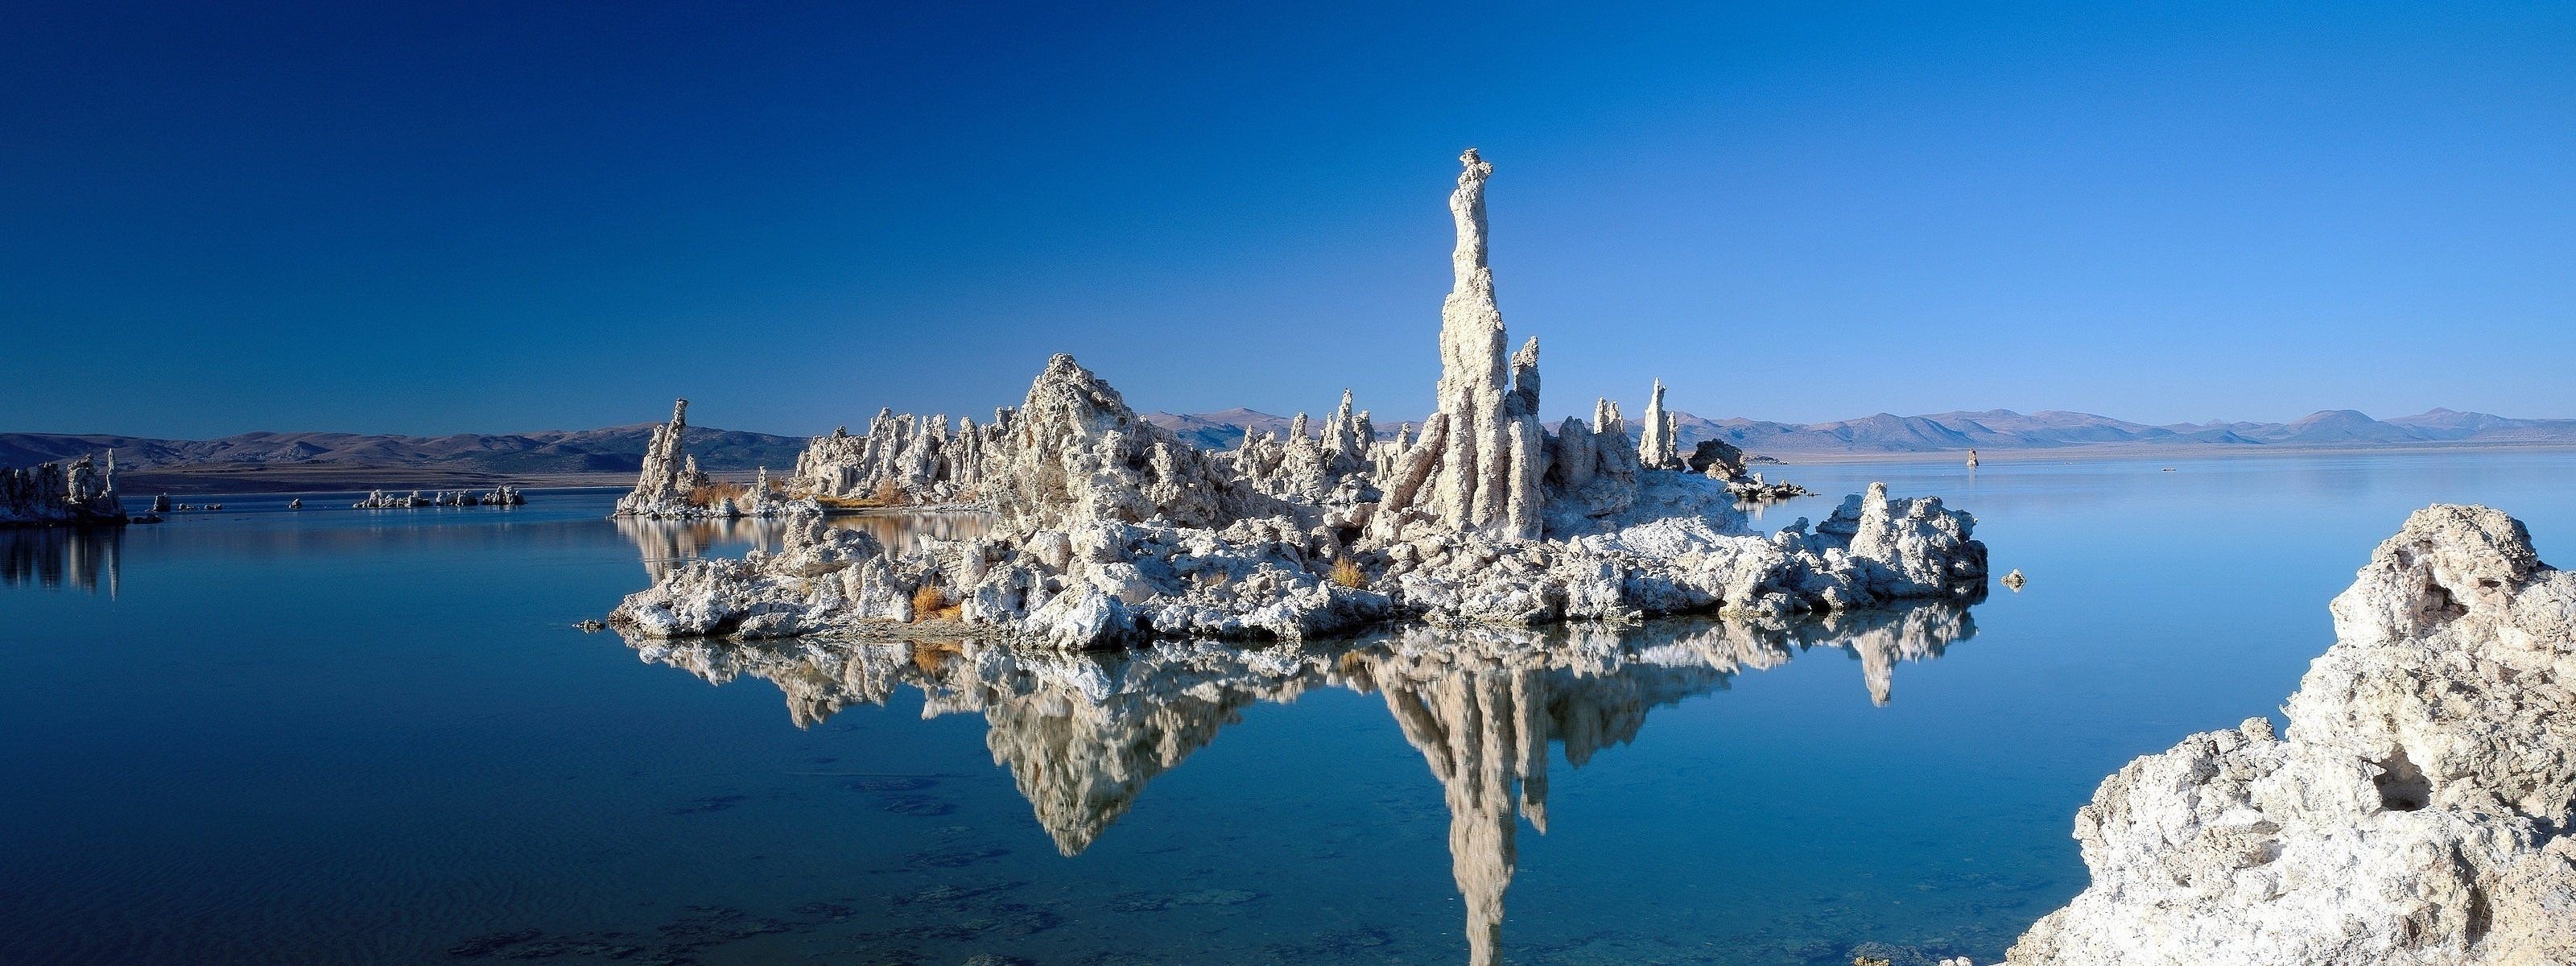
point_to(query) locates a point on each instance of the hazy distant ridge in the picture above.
(618, 449)
(2004, 429)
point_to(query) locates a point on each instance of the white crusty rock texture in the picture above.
(671, 487)
(1111, 529)
(1484, 474)
(903, 460)
(78, 493)
(2415, 813)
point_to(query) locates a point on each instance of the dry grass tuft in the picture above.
(706, 496)
(1346, 572)
(929, 603)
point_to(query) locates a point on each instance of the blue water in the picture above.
(338, 736)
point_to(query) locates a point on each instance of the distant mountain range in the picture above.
(276, 461)
(2004, 429)
(284, 461)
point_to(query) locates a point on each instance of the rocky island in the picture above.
(1110, 529)
(78, 493)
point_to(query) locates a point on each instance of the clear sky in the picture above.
(455, 217)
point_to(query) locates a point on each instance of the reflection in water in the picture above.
(665, 544)
(1083, 733)
(56, 557)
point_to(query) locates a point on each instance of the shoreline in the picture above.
(2137, 453)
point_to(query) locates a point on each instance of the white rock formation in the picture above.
(1312, 468)
(2416, 813)
(1110, 529)
(902, 460)
(1081, 456)
(1659, 448)
(78, 493)
(671, 487)
(1485, 474)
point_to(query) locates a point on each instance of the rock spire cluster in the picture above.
(78, 493)
(671, 487)
(903, 459)
(1311, 466)
(1111, 529)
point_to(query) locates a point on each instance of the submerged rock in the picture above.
(2416, 812)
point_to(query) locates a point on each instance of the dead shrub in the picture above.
(930, 603)
(708, 495)
(1346, 572)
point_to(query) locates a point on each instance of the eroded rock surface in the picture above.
(2415, 812)
(903, 460)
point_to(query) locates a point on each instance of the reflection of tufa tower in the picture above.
(1082, 734)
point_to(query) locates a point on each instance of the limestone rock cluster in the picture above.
(504, 495)
(1110, 529)
(2416, 812)
(78, 493)
(1337, 466)
(902, 460)
(671, 487)
(1078, 455)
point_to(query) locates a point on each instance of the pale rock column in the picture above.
(1487, 477)
(1660, 448)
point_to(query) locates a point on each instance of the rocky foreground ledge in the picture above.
(2416, 813)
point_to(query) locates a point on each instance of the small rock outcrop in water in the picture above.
(1111, 529)
(671, 487)
(2417, 811)
(78, 493)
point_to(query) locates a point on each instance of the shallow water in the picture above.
(339, 736)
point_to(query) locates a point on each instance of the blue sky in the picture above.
(217, 218)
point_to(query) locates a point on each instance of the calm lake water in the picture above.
(339, 736)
